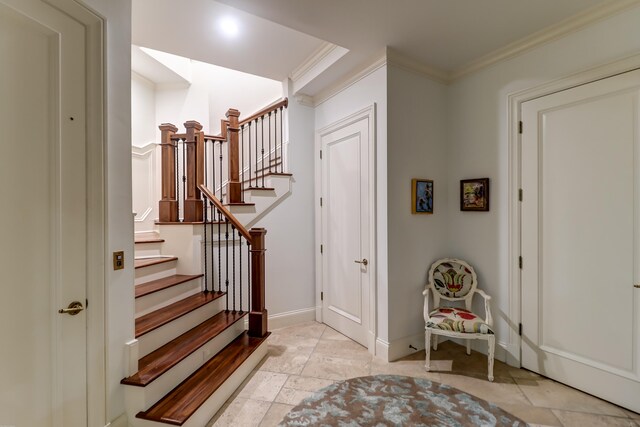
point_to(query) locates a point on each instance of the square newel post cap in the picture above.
(168, 127)
(193, 124)
(232, 112)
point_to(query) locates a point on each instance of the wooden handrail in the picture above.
(266, 110)
(232, 219)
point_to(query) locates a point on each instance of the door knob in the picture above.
(73, 308)
(364, 261)
(637, 285)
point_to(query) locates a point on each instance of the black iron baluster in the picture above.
(213, 167)
(240, 267)
(211, 233)
(226, 242)
(248, 275)
(184, 174)
(262, 151)
(270, 141)
(233, 272)
(206, 217)
(221, 197)
(256, 171)
(242, 162)
(175, 164)
(219, 252)
(281, 140)
(250, 168)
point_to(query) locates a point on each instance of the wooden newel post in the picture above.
(234, 186)
(258, 313)
(193, 201)
(168, 205)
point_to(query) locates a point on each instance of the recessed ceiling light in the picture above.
(229, 26)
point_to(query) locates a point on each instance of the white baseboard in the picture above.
(294, 317)
(121, 421)
(382, 349)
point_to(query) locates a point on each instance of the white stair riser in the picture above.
(264, 200)
(152, 302)
(202, 416)
(154, 272)
(162, 335)
(142, 398)
(148, 249)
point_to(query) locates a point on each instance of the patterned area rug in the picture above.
(392, 400)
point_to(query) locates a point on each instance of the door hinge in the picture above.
(320, 154)
(321, 249)
(321, 296)
(520, 262)
(86, 303)
(520, 194)
(320, 201)
(520, 329)
(520, 126)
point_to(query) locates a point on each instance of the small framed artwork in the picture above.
(474, 194)
(421, 196)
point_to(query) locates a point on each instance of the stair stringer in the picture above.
(265, 200)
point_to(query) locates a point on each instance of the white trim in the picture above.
(546, 35)
(382, 349)
(350, 79)
(370, 114)
(121, 421)
(399, 60)
(319, 61)
(513, 346)
(293, 317)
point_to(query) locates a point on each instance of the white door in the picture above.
(43, 237)
(581, 238)
(346, 216)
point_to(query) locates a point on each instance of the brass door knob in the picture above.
(637, 285)
(364, 261)
(73, 308)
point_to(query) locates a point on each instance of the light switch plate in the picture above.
(118, 260)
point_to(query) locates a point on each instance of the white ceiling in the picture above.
(277, 36)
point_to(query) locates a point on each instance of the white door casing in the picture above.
(346, 226)
(52, 212)
(580, 174)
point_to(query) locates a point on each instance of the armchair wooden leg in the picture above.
(435, 343)
(492, 346)
(427, 349)
(468, 347)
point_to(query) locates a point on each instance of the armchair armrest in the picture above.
(487, 307)
(425, 311)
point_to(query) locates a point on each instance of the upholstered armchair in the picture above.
(454, 280)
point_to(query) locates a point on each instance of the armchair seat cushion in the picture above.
(457, 320)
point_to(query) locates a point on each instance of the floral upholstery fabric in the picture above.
(457, 320)
(452, 279)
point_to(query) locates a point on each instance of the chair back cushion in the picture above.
(452, 278)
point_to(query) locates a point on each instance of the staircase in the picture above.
(199, 279)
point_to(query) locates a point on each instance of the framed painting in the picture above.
(474, 194)
(421, 196)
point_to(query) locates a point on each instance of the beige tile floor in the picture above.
(310, 356)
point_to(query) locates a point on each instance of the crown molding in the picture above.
(305, 100)
(314, 59)
(546, 35)
(350, 79)
(399, 60)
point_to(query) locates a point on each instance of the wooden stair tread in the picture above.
(146, 262)
(164, 358)
(147, 237)
(164, 283)
(155, 319)
(181, 402)
(259, 188)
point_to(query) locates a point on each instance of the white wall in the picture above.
(416, 148)
(143, 111)
(365, 92)
(212, 92)
(119, 221)
(290, 238)
(478, 141)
